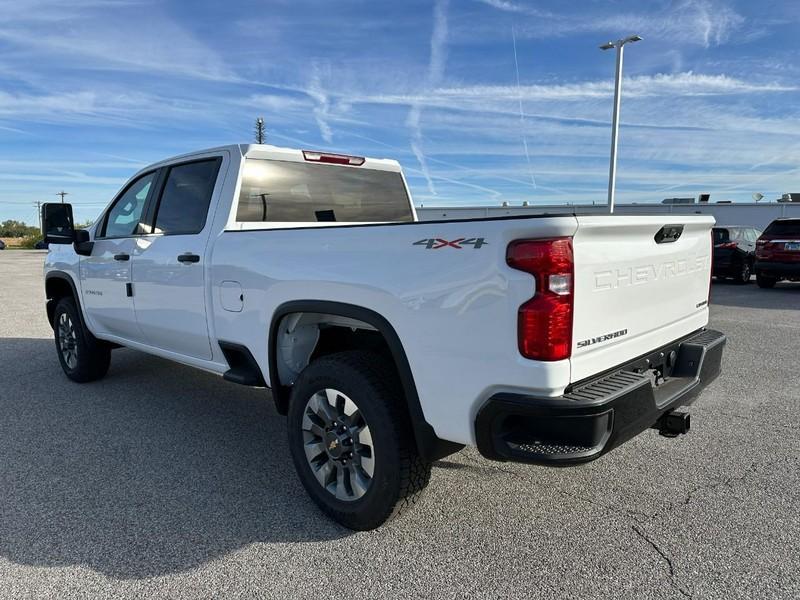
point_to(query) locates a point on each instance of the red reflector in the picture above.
(336, 159)
(545, 321)
(545, 328)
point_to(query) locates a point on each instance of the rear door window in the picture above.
(186, 196)
(721, 236)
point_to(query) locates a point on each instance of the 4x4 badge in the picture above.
(436, 243)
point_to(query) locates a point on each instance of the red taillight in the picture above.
(726, 245)
(764, 248)
(336, 159)
(545, 321)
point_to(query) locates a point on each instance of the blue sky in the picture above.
(91, 91)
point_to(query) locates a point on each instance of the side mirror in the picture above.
(83, 244)
(57, 223)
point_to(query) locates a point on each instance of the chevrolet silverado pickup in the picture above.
(387, 342)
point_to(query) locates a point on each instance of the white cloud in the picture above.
(701, 22)
(322, 105)
(672, 84)
(435, 73)
(515, 7)
(137, 39)
(104, 107)
(502, 98)
(28, 104)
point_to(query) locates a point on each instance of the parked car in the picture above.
(2, 245)
(734, 252)
(778, 253)
(41, 245)
(389, 343)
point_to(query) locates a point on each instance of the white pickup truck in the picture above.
(389, 343)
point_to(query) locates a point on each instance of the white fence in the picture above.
(756, 215)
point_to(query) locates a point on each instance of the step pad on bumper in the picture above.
(608, 387)
(598, 415)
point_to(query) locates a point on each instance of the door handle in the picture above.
(188, 258)
(122, 256)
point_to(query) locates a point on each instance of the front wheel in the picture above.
(765, 282)
(351, 440)
(82, 356)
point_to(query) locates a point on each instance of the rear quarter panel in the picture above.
(454, 309)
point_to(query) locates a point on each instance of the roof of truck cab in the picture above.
(269, 152)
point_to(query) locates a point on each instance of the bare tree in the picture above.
(260, 131)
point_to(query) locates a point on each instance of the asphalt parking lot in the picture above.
(162, 481)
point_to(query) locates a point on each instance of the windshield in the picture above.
(293, 192)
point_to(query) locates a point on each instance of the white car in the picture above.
(388, 342)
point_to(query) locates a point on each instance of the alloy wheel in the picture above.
(338, 444)
(68, 341)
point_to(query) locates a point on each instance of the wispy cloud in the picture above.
(321, 104)
(521, 109)
(671, 84)
(435, 73)
(109, 107)
(698, 22)
(142, 39)
(515, 7)
(501, 97)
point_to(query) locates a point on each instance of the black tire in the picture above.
(399, 472)
(743, 277)
(90, 357)
(765, 282)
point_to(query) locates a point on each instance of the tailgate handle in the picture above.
(668, 234)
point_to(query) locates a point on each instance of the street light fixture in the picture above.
(612, 169)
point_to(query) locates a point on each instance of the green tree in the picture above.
(12, 228)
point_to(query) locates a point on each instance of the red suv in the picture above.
(778, 253)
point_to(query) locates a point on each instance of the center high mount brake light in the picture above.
(335, 159)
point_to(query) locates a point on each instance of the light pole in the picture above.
(612, 169)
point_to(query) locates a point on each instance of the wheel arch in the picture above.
(58, 285)
(429, 445)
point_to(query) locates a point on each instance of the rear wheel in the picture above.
(744, 274)
(351, 440)
(82, 356)
(765, 282)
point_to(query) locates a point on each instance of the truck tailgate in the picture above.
(634, 293)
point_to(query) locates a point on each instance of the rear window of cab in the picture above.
(784, 228)
(293, 192)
